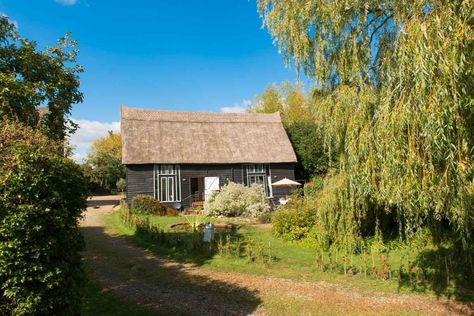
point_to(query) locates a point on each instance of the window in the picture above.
(167, 184)
(258, 174)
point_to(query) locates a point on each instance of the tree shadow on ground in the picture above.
(137, 275)
(97, 202)
(447, 271)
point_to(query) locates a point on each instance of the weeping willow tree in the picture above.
(396, 95)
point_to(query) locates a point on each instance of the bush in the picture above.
(265, 218)
(145, 204)
(237, 200)
(294, 220)
(42, 195)
(170, 211)
(121, 185)
(313, 187)
(160, 209)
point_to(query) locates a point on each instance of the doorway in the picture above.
(197, 189)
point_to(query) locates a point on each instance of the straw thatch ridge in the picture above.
(156, 136)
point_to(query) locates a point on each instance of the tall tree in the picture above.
(270, 101)
(295, 109)
(399, 78)
(31, 78)
(104, 162)
(305, 134)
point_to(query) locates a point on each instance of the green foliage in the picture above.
(30, 78)
(305, 134)
(121, 184)
(265, 218)
(42, 195)
(288, 99)
(313, 187)
(269, 102)
(236, 199)
(308, 141)
(145, 204)
(396, 100)
(103, 166)
(293, 221)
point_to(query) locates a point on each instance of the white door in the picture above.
(211, 184)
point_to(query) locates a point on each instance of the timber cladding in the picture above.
(140, 178)
(166, 152)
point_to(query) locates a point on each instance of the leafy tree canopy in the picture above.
(290, 100)
(396, 99)
(305, 134)
(308, 141)
(103, 165)
(31, 78)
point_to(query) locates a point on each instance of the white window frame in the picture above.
(162, 176)
(259, 170)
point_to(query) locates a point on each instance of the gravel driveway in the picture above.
(137, 275)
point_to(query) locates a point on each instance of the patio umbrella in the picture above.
(285, 182)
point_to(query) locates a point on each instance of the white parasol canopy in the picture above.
(285, 182)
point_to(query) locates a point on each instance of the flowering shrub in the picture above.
(237, 200)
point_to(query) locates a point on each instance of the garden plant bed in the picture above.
(161, 279)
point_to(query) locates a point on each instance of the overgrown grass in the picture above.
(289, 260)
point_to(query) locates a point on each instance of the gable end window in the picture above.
(167, 184)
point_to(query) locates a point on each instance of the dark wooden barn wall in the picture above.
(224, 172)
(140, 178)
(280, 171)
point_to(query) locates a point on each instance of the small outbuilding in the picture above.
(180, 158)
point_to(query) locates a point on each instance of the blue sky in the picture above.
(175, 55)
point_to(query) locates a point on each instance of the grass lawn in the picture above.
(290, 260)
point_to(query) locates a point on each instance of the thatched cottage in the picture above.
(180, 158)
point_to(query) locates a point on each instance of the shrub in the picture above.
(160, 209)
(42, 195)
(121, 184)
(169, 211)
(265, 218)
(313, 187)
(237, 200)
(144, 204)
(294, 220)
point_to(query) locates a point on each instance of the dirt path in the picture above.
(166, 286)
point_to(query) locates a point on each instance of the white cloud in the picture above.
(88, 132)
(66, 2)
(233, 109)
(237, 108)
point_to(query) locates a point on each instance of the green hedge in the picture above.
(42, 196)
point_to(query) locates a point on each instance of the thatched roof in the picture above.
(155, 136)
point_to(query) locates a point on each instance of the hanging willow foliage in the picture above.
(398, 106)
